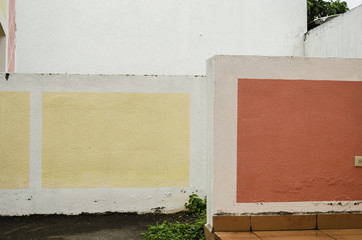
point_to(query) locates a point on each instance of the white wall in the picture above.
(152, 37)
(39, 200)
(339, 37)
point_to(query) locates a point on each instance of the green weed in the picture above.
(181, 231)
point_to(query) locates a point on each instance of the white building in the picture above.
(152, 37)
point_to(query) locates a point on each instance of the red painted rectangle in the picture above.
(297, 140)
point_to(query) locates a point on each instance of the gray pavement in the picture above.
(106, 226)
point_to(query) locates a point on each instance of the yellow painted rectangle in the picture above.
(115, 140)
(14, 139)
(3, 8)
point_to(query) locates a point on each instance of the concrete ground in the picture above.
(107, 226)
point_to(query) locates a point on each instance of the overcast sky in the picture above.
(353, 3)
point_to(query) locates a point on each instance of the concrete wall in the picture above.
(340, 37)
(152, 37)
(97, 143)
(284, 135)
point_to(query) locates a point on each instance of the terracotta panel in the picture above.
(231, 223)
(339, 221)
(290, 222)
(297, 140)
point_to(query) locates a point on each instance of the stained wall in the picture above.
(73, 144)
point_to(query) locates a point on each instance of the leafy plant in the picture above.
(181, 231)
(321, 8)
(196, 205)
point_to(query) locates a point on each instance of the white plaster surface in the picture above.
(223, 74)
(152, 37)
(36, 200)
(340, 37)
(210, 90)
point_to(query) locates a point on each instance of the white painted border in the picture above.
(36, 200)
(223, 73)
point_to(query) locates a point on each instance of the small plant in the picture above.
(181, 231)
(196, 205)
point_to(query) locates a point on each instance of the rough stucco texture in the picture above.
(297, 140)
(14, 139)
(115, 140)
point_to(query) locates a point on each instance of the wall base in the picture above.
(286, 222)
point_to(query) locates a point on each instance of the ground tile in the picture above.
(292, 235)
(344, 234)
(236, 235)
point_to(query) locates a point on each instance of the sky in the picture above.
(353, 3)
